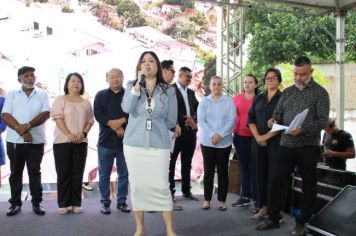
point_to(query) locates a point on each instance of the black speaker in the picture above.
(338, 217)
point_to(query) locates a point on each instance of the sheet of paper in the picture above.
(297, 121)
(277, 127)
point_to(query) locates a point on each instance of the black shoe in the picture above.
(123, 207)
(242, 201)
(105, 209)
(298, 230)
(190, 196)
(38, 209)
(267, 224)
(13, 210)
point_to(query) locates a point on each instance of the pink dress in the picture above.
(243, 106)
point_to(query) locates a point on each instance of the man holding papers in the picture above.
(300, 146)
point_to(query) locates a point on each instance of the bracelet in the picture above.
(28, 125)
(85, 134)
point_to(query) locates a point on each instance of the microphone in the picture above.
(142, 80)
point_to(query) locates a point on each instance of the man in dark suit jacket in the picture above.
(185, 144)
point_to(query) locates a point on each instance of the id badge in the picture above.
(149, 124)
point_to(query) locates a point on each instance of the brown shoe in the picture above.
(298, 230)
(267, 224)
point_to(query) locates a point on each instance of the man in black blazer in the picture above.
(185, 144)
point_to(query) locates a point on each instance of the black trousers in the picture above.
(305, 159)
(70, 163)
(243, 146)
(19, 155)
(219, 158)
(185, 145)
(265, 160)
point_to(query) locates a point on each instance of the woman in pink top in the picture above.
(74, 117)
(243, 140)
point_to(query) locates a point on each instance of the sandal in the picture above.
(222, 208)
(257, 217)
(206, 205)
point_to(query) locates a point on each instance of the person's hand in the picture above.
(72, 138)
(296, 132)
(190, 122)
(177, 132)
(328, 154)
(79, 138)
(270, 123)
(21, 129)
(262, 143)
(27, 137)
(120, 132)
(114, 124)
(216, 139)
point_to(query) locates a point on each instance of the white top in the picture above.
(185, 97)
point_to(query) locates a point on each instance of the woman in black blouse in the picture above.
(265, 143)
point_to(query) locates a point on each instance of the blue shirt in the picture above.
(163, 117)
(107, 106)
(24, 109)
(216, 117)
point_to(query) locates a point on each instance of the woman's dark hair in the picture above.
(256, 82)
(160, 81)
(276, 71)
(81, 92)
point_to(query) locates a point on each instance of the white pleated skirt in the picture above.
(148, 175)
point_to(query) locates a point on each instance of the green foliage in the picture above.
(199, 19)
(280, 36)
(209, 68)
(131, 12)
(67, 9)
(186, 4)
(153, 23)
(287, 73)
(182, 31)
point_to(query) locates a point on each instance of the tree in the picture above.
(279, 37)
(131, 12)
(199, 19)
(209, 71)
(182, 31)
(186, 4)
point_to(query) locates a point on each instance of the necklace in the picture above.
(150, 88)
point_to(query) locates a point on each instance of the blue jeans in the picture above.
(106, 158)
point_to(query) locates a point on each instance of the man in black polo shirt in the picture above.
(301, 147)
(112, 120)
(339, 146)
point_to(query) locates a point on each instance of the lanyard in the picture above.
(149, 99)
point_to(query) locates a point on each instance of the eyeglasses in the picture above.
(173, 71)
(272, 78)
